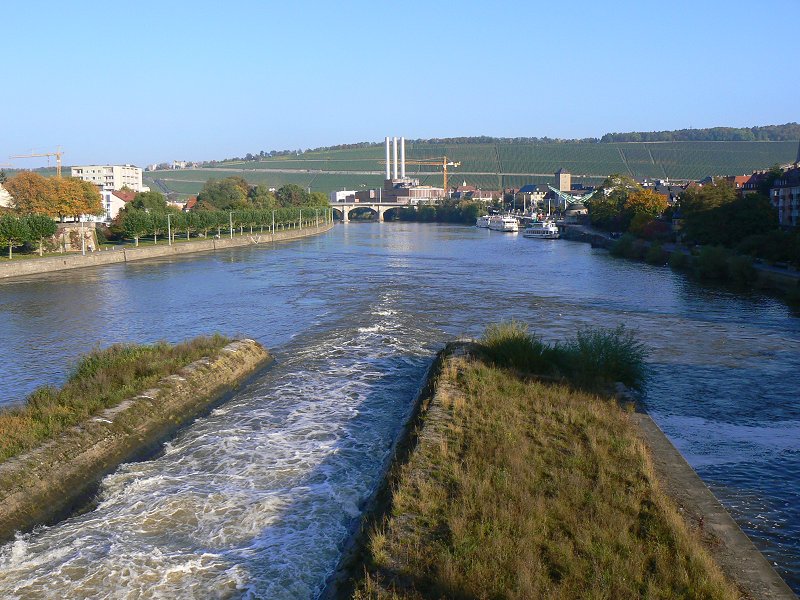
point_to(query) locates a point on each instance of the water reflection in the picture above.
(371, 302)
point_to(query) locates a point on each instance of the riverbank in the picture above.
(52, 264)
(764, 276)
(50, 480)
(518, 487)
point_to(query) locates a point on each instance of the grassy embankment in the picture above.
(524, 487)
(100, 380)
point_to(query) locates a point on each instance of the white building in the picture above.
(111, 177)
(6, 201)
(342, 195)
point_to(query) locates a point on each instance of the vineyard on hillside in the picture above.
(492, 166)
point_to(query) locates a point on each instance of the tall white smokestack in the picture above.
(402, 158)
(388, 164)
(394, 151)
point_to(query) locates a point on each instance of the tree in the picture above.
(3, 176)
(74, 197)
(32, 193)
(291, 195)
(149, 201)
(40, 227)
(317, 199)
(135, 224)
(262, 198)
(225, 193)
(13, 232)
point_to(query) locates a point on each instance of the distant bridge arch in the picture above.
(379, 208)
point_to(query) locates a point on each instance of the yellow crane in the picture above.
(58, 154)
(439, 161)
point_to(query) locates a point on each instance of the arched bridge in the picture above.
(378, 208)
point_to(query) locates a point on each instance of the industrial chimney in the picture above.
(394, 151)
(388, 164)
(402, 158)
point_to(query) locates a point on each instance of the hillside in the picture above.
(493, 165)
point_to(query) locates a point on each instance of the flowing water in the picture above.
(255, 499)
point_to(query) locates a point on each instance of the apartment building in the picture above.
(111, 177)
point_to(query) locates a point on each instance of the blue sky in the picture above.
(148, 81)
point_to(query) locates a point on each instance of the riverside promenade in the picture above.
(50, 264)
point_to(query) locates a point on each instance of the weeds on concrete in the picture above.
(100, 380)
(522, 489)
(594, 359)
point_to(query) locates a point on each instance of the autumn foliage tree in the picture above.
(32, 193)
(57, 198)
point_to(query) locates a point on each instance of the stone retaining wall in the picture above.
(52, 480)
(33, 266)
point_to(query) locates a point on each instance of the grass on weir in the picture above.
(523, 488)
(100, 380)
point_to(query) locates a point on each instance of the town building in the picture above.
(531, 194)
(111, 177)
(341, 196)
(785, 197)
(113, 201)
(563, 181)
(470, 192)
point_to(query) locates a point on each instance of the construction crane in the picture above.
(439, 161)
(58, 154)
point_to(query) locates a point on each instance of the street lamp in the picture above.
(169, 230)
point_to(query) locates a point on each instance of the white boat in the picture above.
(543, 230)
(503, 223)
(482, 221)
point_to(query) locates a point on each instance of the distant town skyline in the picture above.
(112, 85)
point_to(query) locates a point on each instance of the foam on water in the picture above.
(252, 500)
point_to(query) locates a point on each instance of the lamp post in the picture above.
(230, 222)
(169, 230)
(273, 222)
(83, 238)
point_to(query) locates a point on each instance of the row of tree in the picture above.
(58, 198)
(136, 223)
(17, 230)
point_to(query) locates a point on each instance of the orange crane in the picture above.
(439, 161)
(58, 154)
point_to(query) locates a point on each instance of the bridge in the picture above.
(378, 208)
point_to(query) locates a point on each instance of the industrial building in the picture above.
(399, 188)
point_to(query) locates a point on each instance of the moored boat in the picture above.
(482, 221)
(543, 230)
(503, 223)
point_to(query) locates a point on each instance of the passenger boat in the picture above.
(482, 221)
(543, 230)
(503, 223)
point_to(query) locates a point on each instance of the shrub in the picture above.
(680, 260)
(711, 263)
(741, 270)
(655, 255)
(596, 358)
(509, 344)
(622, 247)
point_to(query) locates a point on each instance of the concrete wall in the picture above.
(52, 264)
(47, 483)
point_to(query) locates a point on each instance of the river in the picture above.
(255, 499)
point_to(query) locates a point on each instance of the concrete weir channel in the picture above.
(50, 482)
